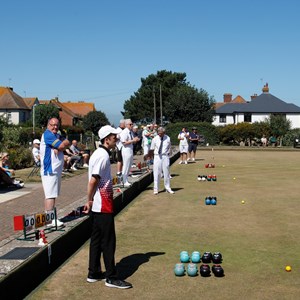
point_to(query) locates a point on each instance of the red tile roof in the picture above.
(10, 100)
(80, 108)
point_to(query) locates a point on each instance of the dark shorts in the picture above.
(192, 147)
(119, 155)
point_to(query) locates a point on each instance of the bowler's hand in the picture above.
(87, 207)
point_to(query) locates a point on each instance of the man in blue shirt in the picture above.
(52, 162)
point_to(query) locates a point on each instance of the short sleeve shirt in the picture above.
(35, 154)
(183, 135)
(99, 164)
(126, 135)
(51, 163)
(155, 145)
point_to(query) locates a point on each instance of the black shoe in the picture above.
(95, 277)
(117, 283)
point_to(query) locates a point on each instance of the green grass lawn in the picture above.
(257, 239)
(23, 174)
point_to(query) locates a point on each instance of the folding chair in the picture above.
(35, 171)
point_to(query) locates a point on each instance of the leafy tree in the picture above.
(244, 132)
(261, 128)
(94, 120)
(3, 124)
(227, 134)
(180, 100)
(43, 113)
(188, 104)
(279, 126)
(289, 137)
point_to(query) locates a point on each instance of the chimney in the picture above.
(227, 98)
(253, 96)
(265, 89)
(11, 88)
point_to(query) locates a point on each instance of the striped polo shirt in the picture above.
(50, 162)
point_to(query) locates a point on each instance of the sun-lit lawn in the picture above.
(257, 238)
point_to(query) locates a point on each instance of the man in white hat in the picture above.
(36, 152)
(100, 202)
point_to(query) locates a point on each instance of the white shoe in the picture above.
(170, 191)
(74, 169)
(155, 192)
(127, 184)
(59, 223)
(186, 162)
(85, 165)
(19, 185)
(188, 159)
(193, 159)
(16, 181)
(181, 162)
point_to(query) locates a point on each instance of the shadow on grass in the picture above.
(130, 264)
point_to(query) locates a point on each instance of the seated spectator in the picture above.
(67, 163)
(36, 152)
(7, 173)
(73, 161)
(4, 164)
(74, 148)
(264, 141)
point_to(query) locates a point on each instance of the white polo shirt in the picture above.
(155, 145)
(99, 164)
(126, 135)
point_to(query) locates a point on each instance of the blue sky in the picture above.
(97, 51)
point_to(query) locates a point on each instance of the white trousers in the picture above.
(161, 164)
(127, 155)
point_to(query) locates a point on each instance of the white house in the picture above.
(13, 107)
(258, 109)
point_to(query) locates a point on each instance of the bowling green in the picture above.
(257, 238)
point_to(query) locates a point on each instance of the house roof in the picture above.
(59, 105)
(75, 109)
(80, 108)
(10, 100)
(30, 101)
(238, 99)
(264, 103)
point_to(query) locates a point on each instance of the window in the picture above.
(222, 118)
(247, 117)
(9, 121)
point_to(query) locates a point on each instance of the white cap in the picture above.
(36, 141)
(106, 131)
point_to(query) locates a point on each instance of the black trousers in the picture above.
(103, 240)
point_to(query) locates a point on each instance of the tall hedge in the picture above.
(209, 131)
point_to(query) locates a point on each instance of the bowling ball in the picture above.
(205, 270)
(192, 270)
(179, 269)
(218, 270)
(206, 257)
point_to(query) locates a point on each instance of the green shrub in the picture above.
(20, 157)
(288, 139)
(208, 130)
